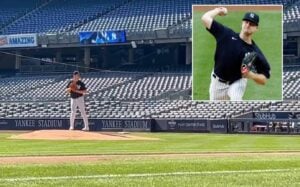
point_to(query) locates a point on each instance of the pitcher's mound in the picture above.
(76, 135)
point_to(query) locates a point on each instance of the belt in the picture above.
(221, 80)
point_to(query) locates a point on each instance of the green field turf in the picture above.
(168, 143)
(268, 38)
(235, 171)
(139, 170)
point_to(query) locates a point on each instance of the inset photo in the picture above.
(237, 52)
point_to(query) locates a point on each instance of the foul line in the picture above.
(108, 176)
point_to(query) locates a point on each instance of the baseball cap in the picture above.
(252, 17)
(76, 73)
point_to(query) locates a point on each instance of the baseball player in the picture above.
(234, 52)
(77, 90)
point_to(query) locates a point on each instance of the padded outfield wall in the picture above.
(252, 122)
(137, 125)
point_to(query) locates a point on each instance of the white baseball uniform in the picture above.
(222, 91)
(77, 100)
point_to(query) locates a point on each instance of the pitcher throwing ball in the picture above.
(237, 57)
(77, 90)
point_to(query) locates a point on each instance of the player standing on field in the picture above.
(77, 90)
(229, 77)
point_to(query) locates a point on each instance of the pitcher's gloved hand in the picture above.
(248, 63)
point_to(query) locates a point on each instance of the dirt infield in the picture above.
(112, 157)
(76, 135)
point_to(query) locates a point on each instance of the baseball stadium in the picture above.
(133, 59)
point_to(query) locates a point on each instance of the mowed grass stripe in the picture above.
(168, 143)
(147, 175)
(158, 165)
(264, 178)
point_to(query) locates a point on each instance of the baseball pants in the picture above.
(222, 91)
(78, 102)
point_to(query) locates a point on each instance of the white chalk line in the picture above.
(108, 176)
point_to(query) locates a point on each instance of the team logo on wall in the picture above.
(172, 124)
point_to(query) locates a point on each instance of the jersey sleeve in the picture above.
(82, 86)
(263, 66)
(217, 30)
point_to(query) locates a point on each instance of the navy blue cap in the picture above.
(252, 17)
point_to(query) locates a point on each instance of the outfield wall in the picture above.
(139, 125)
(94, 124)
(191, 125)
(255, 122)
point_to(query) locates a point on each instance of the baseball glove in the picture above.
(248, 63)
(73, 86)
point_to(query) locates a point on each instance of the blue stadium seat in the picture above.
(59, 15)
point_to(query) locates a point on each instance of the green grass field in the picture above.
(134, 166)
(268, 38)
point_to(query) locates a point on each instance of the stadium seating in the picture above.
(283, 106)
(148, 87)
(9, 11)
(104, 85)
(54, 88)
(138, 110)
(291, 86)
(114, 95)
(134, 92)
(292, 14)
(142, 16)
(10, 87)
(65, 15)
(213, 110)
(156, 68)
(132, 16)
(60, 16)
